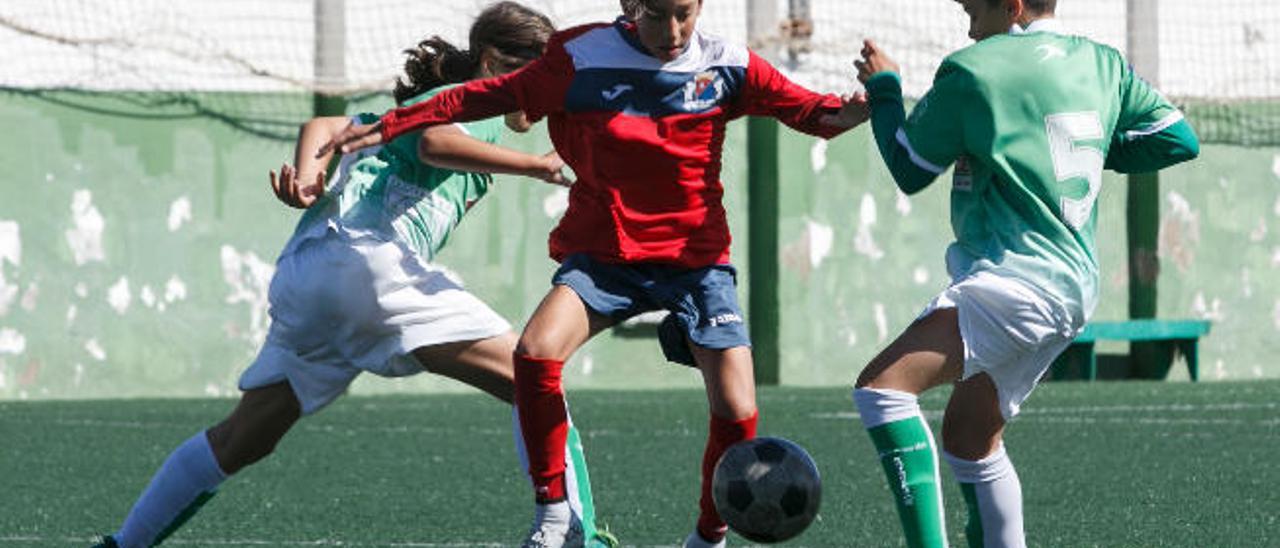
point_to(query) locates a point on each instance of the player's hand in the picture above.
(552, 170)
(352, 138)
(289, 190)
(854, 111)
(874, 61)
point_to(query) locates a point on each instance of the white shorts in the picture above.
(341, 304)
(1011, 332)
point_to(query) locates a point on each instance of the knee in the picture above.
(968, 444)
(540, 346)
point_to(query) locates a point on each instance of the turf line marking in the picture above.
(1033, 411)
(262, 542)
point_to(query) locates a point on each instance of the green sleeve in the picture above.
(1150, 133)
(884, 92)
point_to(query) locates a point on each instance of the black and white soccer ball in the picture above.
(767, 489)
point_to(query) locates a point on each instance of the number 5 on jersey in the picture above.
(1071, 160)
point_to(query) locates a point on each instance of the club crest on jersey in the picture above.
(962, 174)
(703, 91)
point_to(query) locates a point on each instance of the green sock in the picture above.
(910, 463)
(579, 461)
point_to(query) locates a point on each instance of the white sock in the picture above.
(190, 470)
(551, 517)
(570, 471)
(879, 406)
(998, 493)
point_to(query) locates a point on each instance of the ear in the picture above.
(1015, 9)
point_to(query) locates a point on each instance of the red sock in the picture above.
(722, 434)
(540, 403)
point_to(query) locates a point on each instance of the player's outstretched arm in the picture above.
(449, 147)
(879, 74)
(1151, 134)
(301, 184)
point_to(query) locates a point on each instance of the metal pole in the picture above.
(1142, 204)
(330, 57)
(762, 217)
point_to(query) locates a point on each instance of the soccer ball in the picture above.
(766, 489)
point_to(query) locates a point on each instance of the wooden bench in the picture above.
(1165, 336)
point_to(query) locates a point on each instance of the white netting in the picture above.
(1214, 55)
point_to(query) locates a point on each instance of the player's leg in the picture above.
(929, 353)
(193, 471)
(486, 364)
(972, 432)
(730, 385)
(560, 325)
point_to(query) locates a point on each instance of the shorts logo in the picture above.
(962, 174)
(704, 91)
(723, 319)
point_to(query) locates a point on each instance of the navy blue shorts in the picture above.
(703, 301)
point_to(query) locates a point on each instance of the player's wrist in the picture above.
(884, 84)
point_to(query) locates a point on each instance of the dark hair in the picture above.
(1038, 7)
(511, 35)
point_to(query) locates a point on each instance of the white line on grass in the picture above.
(1043, 413)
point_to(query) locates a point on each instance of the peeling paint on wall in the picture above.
(920, 275)
(118, 296)
(1205, 310)
(174, 289)
(249, 278)
(555, 204)
(821, 238)
(12, 342)
(85, 236)
(863, 242)
(1179, 232)
(95, 350)
(179, 212)
(818, 156)
(1275, 315)
(11, 253)
(882, 323)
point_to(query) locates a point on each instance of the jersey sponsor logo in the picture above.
(1050, 51)
(703, 91)
(962, 174)
(724, 319)
(613, 93)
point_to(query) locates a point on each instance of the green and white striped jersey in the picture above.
(1029, 120)
(387, 192)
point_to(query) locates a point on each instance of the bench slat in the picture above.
(1144, 330)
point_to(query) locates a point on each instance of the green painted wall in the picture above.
(174, 303)
(860, 260)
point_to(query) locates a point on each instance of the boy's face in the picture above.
(988, 18)
(664, 26)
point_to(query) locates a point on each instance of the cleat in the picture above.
(107, 542)
(548, 537)
(602, 539)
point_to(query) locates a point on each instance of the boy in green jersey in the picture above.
(1028, 117)
(356, 289)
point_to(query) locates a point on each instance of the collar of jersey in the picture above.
(1047, 24)
(627, 30)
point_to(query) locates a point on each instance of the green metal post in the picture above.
(762, 248)
(1142, 215)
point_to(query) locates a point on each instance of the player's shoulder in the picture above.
(588, 30)
(719, 51)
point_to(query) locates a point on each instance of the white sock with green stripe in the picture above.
(994, 496)
(182, 485)
(577, 482)
(910, 459)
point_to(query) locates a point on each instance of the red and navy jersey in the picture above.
(643, 137)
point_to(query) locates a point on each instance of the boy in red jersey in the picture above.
(638, 109)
